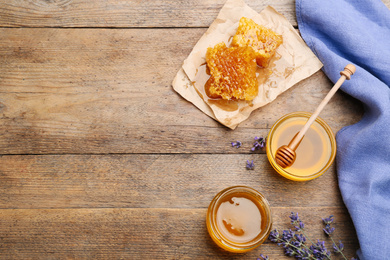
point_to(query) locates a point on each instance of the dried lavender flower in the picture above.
(250, 165)
(328, 230)
(236, 144)
(258, 144)
(319, 250)
(300, 239)
(298, 224)
(339, 248)
(289, 252)
(295, 244)
(328, 221)
(294, 217)
(263, 257)
(274, 236)
(288, 235)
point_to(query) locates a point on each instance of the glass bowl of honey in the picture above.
(314, 155)
(239, 219)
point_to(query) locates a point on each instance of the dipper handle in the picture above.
(348, 71)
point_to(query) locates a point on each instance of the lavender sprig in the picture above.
(298, 224)
(294, 244)
(328, 231)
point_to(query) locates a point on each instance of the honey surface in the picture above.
(233, 73)
(313, 152)
(240, 218)
(263, 40)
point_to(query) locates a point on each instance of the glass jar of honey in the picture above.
(315, 153)
(239, 219)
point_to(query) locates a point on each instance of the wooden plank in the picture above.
(119, 13)
(142, 233)
(109, 91)
(150, 181)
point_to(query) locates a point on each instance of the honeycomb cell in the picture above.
(263, 40)
(233, 72)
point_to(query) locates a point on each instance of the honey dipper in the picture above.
(285, 155)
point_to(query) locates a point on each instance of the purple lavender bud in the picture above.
(328, 221)
(263, 257)
(338, 249)
(236, 144)
(294, 217)
(288, 251)
(314, 250)
(258, 144)
(322, 248)
(341, 246)
(284, 244)
(296, 243)
(274, 236)
(288, 235)
(300, 227)
(328, 230)
(250, 165)
(300, 238)
(303, 254)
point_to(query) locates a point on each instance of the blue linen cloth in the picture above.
(358, 32)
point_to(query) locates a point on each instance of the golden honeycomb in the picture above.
(233, 72)
(263, 40)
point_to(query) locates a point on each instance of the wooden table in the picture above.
(101, 159)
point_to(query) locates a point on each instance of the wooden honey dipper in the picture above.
(285, 155)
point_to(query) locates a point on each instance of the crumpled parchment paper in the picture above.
(293, 62)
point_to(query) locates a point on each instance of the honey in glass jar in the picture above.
(239, 219)
(315, 153)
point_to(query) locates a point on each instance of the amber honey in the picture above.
(233, 72)
(315, 153)
(239, 219)
(263, 40)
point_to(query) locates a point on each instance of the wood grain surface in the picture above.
(101, 159)
(136, 233)
(91, 91)
(120, 13)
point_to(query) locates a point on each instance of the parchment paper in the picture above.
(293, 62)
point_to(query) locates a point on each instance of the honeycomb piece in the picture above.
(263, 40)
(233, 72)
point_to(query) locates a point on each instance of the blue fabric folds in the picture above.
(358, 32)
